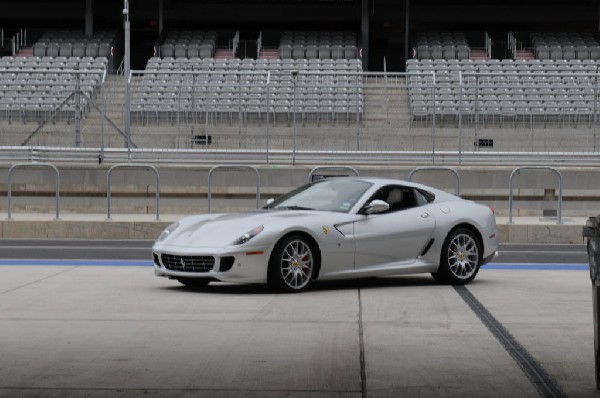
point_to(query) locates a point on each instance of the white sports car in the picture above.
(347, 227)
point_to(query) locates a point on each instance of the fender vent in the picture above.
(427, 247)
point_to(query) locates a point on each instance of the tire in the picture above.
(460, 258)
(292, 264)
(194, 282)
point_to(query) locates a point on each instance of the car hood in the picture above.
(218, 230)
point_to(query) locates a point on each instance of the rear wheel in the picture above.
(460, 258)
(292, 264)
(194, 282)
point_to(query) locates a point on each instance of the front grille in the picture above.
(188, 263)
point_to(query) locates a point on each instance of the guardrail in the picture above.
(31, 165)
(233, 167)
(311, 175)
(283, 157)
(437, 168)
(548, 168)
(137, 166)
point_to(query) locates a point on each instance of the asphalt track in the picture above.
(88, 318)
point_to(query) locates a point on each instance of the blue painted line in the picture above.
(536, 267)
(79, 263)
(149, 263)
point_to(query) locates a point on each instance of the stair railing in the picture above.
(258, 45)
(235, 42)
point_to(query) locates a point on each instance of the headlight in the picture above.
(167, 231)
(248, 235)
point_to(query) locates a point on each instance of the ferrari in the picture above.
(337, 228)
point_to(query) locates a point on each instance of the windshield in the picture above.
(338, 195)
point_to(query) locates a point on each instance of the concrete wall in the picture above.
(183, 189)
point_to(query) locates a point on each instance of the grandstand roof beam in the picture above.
(364, 38)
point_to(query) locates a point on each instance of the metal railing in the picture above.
(130, 166)
(237, 167)
(233, 168)
(437, 168)
(543, 168)
(313, 171)
(379, 116)
(34, 165)
(488, 45)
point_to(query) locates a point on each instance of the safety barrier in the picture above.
(436, 168)
(560, 189)
(311, 175)
(29, 165)
(137, 166)
(232, 167)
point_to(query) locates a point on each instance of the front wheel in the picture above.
(292, 264)
(460, 258)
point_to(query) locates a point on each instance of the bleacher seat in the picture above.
(318, 45)
(38, 88)
(504, 91)
(330, 91)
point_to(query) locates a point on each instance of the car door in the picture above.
(396, 236)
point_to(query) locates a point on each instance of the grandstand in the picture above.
(356, 74)
(342, 82)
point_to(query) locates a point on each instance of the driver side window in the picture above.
(398, 197)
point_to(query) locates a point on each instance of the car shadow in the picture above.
(318, 286)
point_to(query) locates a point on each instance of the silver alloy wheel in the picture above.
(297, 264)
(463, 256)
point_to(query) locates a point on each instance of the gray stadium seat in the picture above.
(193, 50)
(312, 52)
(52, 49)
(350, 52)
(206, 51)
(463, 52)
(298, 51)
(556, 52)
(91, 49)
(65, 50)
(337, 52)
(594, 52)
(180, 50)
(285, 51)
(39, 49)
(437, 52)
(167, 50)
(449, 51)
(569, 52)
(542, 52)
(104, 50)
(324, 51)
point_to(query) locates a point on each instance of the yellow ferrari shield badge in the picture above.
(325, 229)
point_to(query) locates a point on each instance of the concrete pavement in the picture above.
(120, 331)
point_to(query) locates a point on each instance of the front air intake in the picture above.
(226, 263)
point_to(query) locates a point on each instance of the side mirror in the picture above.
(270, 200)
(377, 206)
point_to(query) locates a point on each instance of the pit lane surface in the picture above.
(72, 327)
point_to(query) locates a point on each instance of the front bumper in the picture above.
(230, 264)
